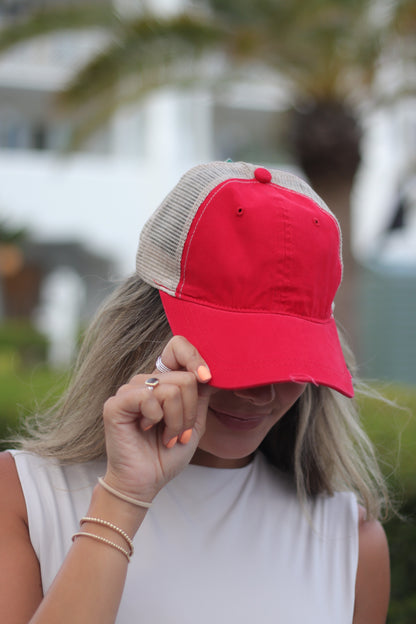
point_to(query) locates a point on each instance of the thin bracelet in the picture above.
(123, 497)
(112, 526)
(104, 541)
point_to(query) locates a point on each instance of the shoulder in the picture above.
(19, 564)
(11, 495)
(373, 573)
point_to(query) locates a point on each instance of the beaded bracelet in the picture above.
(113, 527)
(104, 541)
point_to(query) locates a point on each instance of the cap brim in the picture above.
(244, 349)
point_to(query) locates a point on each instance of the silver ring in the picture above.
(162, 368)
(151, 383)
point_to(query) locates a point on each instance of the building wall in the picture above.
(388, 323)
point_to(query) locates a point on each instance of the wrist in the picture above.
(112, 509)
(134, 493)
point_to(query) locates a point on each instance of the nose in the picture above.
(258, 395)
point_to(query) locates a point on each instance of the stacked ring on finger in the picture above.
(162, 368)
(151, 383)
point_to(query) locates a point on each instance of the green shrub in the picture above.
(21, 391)
(21, 345)
(401, 535)
(392, 428)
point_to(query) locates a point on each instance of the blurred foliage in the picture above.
(392, 427)
(12, 235)
(22, 391)
(21, 345)
(401, 534)
(322, 50)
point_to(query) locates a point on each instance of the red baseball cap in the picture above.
(248, 261)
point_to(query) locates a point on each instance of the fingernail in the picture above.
(146, 424)
(172, 442)
(185, 436)
(203, 373)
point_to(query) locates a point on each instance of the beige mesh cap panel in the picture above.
(163, 236)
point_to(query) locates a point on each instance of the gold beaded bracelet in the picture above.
(111, 526)
(104, 541)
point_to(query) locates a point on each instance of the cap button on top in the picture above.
(262, 175)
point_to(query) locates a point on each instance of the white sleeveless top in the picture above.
(218, 545)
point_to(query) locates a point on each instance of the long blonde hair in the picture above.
(319, 441)
(127, 334)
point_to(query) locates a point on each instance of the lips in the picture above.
(239, 421)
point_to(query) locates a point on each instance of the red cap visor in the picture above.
(245, 349)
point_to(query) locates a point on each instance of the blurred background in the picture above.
(103, 105)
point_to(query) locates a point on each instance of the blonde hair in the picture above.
(319, 441)
(126, 336)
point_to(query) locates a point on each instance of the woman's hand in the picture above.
(152, 434)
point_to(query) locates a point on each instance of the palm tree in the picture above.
(326, 52)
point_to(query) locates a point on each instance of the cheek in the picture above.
(287, 394)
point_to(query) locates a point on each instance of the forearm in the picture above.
(140, 426)
(90, 583)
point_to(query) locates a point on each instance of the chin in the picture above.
(224, 455)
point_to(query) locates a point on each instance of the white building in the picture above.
(103, 194)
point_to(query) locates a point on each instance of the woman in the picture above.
(236, 468)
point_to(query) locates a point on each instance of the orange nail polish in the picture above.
(186, 436)
(172, 442)
(203, 373)
(146, 424)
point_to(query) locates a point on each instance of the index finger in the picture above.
(180, 354)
